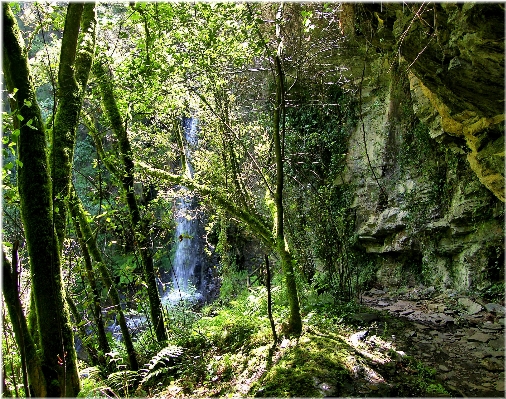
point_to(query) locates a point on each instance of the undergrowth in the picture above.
(227, 349)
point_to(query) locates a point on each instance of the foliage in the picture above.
(214, 62)
(494, 292)
(294, 376)
(321, 224)
(11, 361)
(181, 317)
(432, 195)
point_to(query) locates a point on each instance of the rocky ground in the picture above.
(460, 337)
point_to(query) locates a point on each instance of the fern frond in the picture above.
(166, 357)
(161, 365)
(123, 381)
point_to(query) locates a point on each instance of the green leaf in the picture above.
(19, 163)
(28, 103)
(29, 124)
(20, 117)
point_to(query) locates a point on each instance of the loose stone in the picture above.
(471, 306)
(492, 326)
(494, 307)
(479, 337)
(497, 343)
(493, 364)
(481, 355)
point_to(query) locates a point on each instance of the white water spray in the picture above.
(187, 262)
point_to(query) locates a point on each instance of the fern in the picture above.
(151, 377)
(123, 382)
(161, 365)
(166, 357)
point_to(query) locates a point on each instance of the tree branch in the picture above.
(254, 222)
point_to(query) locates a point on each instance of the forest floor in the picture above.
(413, 343)
(408, 343)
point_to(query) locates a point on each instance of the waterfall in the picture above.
(189, 141)
(189, 248)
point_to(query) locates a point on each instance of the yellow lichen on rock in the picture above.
(468, 124)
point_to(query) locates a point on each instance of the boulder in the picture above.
(470, 306)
(494, 307)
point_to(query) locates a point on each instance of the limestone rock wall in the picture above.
(426, 160)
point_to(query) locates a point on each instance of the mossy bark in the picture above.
(255, 222)
(86, 235)
(127, 180)
(79, 322)
(35, 190)
(76, 57)
(295, 321)
(32, 321)
(21, 333)
(96, 308)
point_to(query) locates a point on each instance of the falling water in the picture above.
(188, 255)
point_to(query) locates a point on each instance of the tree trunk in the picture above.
(86, 235)
(76, 57)
(269, 299)
(103, 344)
(295, 321)
(21, 333)
(142, 239)
(56, 338)
(78, 319)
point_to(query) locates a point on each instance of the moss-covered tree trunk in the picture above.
(86, 235)
(127, 179)
(35, 191)
(81, 328)
(295, 321)
(76, 58)
(96, 310)
(22, 335)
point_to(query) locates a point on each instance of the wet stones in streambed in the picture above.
(492, 364)
(493, 327)
(462, 338)
(497, 344)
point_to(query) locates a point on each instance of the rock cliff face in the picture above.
(426, 160)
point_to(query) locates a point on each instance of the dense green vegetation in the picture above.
(97, 161)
